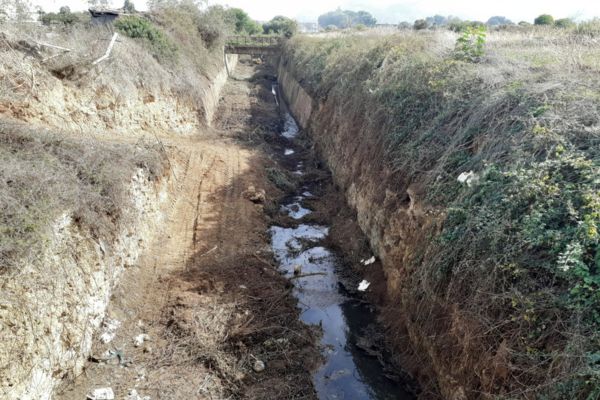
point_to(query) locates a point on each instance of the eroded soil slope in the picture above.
(206, 304)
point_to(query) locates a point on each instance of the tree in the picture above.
(544, 19)
(404, 25)
(128, 6)
(338, 18)
(436, 20)
(365, 18)
(565, 23)
(499, 20)
(19, 10)
(243, 23)
(97, 3)
(420, 24)
(64, 16)
(346, 18)
(281, 25)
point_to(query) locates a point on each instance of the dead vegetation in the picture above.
(45, 175)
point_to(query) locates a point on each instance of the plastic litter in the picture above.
(368, 261)
(468, 178)
(363, 285)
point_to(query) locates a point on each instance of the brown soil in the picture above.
(207, 293)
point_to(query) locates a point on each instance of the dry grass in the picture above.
(45, 175)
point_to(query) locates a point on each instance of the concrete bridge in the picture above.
(256, 45)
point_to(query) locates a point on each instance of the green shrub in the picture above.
(420, 24)
(565, 23)
(470, 45)
(64, 16)
(140, 28)
(544, 19)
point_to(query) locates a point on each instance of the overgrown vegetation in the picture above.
(281, 25)
(518, 256)
(140, 28)
(45, 175)
(64, 16)
(243, 23)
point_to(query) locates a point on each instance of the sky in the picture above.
(391, 11)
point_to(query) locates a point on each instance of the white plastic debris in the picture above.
(368, 261)
(140, 339)
(288, 152)
(363, 285)
(258, 366)
(101, 394)
(110, 327)
(468, 178)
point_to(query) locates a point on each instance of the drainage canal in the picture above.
(348, 371)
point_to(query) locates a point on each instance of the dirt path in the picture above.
(206, 297)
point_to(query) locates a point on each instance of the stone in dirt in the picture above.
(101, 394)
(134, 395)
(258, 366)
(256, 196)
(140, 339)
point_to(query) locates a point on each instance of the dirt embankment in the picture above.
(53, 302)
(217, 318)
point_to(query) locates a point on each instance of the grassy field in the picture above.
(518, 252)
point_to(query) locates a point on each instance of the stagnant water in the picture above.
(348, 372)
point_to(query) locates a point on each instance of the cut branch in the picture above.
(108, 50)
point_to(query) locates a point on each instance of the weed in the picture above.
(140, 28)
(470, 44)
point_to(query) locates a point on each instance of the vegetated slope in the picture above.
(495, 280)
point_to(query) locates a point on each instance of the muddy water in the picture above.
(348, 372)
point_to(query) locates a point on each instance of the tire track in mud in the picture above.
(209, 315)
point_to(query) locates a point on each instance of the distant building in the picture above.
(104, 16)
(308, 27)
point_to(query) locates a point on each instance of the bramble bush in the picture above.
(140, 28)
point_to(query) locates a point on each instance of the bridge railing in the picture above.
(254, 41)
